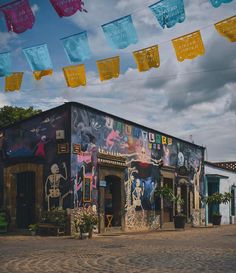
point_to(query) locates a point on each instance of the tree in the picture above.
(10, 114)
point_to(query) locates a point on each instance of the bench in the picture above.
(54, 222)
(50, 227)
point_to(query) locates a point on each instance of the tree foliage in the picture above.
(10, 114)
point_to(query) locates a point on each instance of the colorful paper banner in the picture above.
(38, 57)
(147, 58)
(67, 7)
(77, 47)
(217, 3)
(13, 82)
(227, 28)
(169, 12)
(120, 33)
(39, 74)
(75, 75)
(19, 16)
(5, 64)
(188, 46)
(109, 68)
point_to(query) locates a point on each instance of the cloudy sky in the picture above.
(195, 98)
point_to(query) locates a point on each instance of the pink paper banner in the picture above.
(19, 16)
(67, 7)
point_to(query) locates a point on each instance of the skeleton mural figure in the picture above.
(52, 185)
(196, 183)
(128, 185)
(137, 193)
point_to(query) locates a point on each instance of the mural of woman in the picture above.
(41, 147)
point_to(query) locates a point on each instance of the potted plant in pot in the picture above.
(33, 229)
(167, 193)
(84, 219)
(217, 199)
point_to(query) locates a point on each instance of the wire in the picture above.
(139, 79)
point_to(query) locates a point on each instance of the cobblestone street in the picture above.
(192, 250)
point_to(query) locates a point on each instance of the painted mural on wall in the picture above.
(145, 151)
(43, 140)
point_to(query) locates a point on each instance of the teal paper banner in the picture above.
(169, 12)
(5, 64)
(217, 3)
(38, 57)
(77, 47)
(120, 33)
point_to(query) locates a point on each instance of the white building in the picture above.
(221, 177)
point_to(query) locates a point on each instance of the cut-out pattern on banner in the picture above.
(5, 64)
(169, 12)
(109, 68)
(120, 33)
(227, 28)
(77, 47)
(75, 75)
(217, 3)
(67, 7)
(38, 57)
(19, 16)
(39, 74)
(188, 46)
(13, 82)
(147, 58)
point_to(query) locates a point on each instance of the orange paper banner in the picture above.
(75, 75)
(39, 74)
(109, 68)
(147, 58)
(188, 46)
(227, 28)
(13, 82)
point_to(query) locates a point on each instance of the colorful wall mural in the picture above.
(68, 153)
(145, 151)
(43, 139)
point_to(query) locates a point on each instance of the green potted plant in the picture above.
(84, 220)
(167, 193)
(217, 199)
(33, 229)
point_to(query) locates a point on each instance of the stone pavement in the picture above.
(192, 250)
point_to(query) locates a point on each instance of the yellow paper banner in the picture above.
(147, 58)
(13, 82)
(109, 68)
(75, 75)
(227, 28)
(188, 46)
(39, 74)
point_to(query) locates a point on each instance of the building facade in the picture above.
(221, 178)
(75, 155)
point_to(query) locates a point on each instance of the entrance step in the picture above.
(113, 230)
(168, 226)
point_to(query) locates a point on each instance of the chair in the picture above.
(3, 222)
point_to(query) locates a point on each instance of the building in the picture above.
(221, 177)
(73, 155)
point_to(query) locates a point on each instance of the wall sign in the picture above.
(102, 183)
(63, 148)
(87, 189)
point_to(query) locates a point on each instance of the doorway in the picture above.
(167, 204)
(112, 201)
(25, 199)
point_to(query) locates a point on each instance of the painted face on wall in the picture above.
(180, 159)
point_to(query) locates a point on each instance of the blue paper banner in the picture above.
(38, 57)
(217, 3)
(169, 12)
(5, 64)
(77, 47)
(120, 33)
